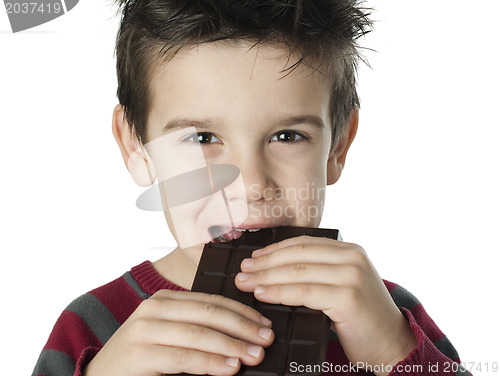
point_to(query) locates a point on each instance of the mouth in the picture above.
(228, 233)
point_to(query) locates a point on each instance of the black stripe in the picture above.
(462, 371)
(333, 336)
(54, 363)
(135, 286)
(404, 298)
(445, 346)
(95, 314)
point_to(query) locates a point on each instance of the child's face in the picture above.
(276, 129)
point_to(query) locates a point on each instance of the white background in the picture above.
(419, 192)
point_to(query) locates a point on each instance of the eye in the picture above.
(288, 136)
(203, 138)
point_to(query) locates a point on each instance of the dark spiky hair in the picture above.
(155, 30)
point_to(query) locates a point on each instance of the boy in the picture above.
(268, 87)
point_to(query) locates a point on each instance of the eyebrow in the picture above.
(176, 124)
(181, 123)
(313, 120)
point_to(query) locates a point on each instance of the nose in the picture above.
(255, 172)
(257, 177)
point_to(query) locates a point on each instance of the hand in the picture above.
(178, 331)
(338, 279)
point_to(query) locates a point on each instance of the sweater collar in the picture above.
(150, 280)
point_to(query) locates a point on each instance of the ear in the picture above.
(136, 158)
(336, 160)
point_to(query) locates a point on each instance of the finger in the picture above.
(337, 302)
(171, 360)
(300, 273)
(217, 300)
(198, 337)
(212, 316)
(340, 303)
(296, 294)
(296, 240)
(296, 254)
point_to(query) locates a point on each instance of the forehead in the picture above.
(235, 80)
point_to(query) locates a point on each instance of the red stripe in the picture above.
(119, 298)
(390, 285)
(421, 317)
(426, 323)
(71, 342)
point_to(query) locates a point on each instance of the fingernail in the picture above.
(260, 290)
(265, 321)
(248, 263)
(242, 276)
(233, 362)
(257, 252)
(254, 351)
(265, 333)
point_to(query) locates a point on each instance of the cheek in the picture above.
(308, 187)
(302, 170)
(184, 221)
(312, 169)
(306, 201)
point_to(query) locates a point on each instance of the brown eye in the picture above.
(288, 136)
(203, 138)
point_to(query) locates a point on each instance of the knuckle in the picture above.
(180, 355)
(235, 345)
(247, 310)
(157, 295)
(209, 308)
(164, 294)
(356, 275)
(194, 332)
(217, 299)
(212, 361)
(279, 291)
(160, 294)
(266, 259)
(304, 290)
(151, 306)
(264, 274)
(299, 269)
(351, 296)
(245, 325)
(359, 255)
(139, 327)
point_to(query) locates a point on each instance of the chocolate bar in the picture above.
(301, 334)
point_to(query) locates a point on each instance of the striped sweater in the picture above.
(90, 320)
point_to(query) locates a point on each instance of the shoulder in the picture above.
(86, 325)
(115, 301)
(102, 310)
(111, 303)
